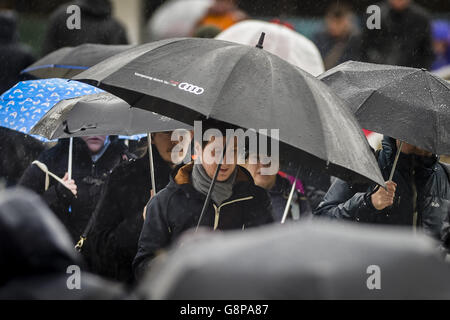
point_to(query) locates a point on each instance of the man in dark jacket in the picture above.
(14, 55)
(341, 40)
(404, 38)
(236, 203)
(420, 185)
(445, 231)
(116, 229)
(97, 26)
(93, 159)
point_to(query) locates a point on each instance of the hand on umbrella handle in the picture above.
(384, 198)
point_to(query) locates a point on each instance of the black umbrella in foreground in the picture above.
(408, 104)
(69, 61)
(301, 261)
(193, 79)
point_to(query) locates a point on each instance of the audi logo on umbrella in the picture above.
(191, 88)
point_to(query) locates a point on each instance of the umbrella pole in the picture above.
(291, 195)
(69, 166)
(399, 149)
(211, 187)
(150, 155)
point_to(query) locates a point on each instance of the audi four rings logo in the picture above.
(191, 88)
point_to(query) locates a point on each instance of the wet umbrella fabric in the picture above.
(300, 261)
(100, 114)
(404, 103)
(195, 79)
(69, 61)
(22, 106)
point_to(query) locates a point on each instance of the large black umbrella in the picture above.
(405, 103)
(301, 261)
(193, 79)
(69, 61)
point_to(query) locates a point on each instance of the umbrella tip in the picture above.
(261, 40)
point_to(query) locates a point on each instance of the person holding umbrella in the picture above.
(94, 157)
(116, 229)
(237, 203)
(417, 195)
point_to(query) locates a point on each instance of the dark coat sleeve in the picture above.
(263, 213)
(55, 196)
(155, 234)
(341, 202)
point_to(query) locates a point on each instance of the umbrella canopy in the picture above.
(405, 103)
(100, 114)
(177, 18)
(22, 106)
(193, 79)
(301, 261)
(69, 61)
(280, 40)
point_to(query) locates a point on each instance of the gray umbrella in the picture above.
(405, 103)
(193, 79)
(69, 61)
(301, 261)
(100, 114)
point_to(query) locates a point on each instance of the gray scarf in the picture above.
(222, 189)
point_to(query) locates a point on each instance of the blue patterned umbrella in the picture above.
(22, 106)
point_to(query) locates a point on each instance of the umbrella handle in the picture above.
(69, 165)
(152, 168)
(397, 155)
(211, 187)
(291, 194)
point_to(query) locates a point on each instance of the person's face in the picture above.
(210, 157)
(399, 5)
(338, 27)
(261, 180)
(439, 47)
(164, 144)
(94, 143)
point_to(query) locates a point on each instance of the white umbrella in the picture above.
(280, 40)
(176, 18)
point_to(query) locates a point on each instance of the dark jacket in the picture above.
(279, 194)
(352, 202)
(404, 38)
(335, 51)
(14, 55)
(115, 232)
(177, 208)
(89, 177)
(97, 26)
(445, 231)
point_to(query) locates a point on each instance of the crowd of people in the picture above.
(108, 206)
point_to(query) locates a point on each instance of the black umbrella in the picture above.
(192, 79)
(408, 104)
(69, 61)
(301, 261)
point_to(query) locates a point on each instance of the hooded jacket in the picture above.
(89, 177)
(177, 208)
(427, 177)
(97, 26)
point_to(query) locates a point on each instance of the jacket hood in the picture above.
(8, 27)
(99, 8)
